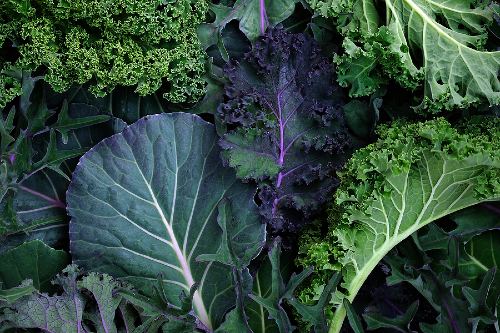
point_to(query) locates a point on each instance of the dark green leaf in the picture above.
(144, 202)
(400, 323)
(33, 260)
(353, 317)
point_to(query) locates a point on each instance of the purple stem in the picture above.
(55, 202)
(492, 208)
(124, 320)
(282, 132)
(282, 147)
(452, 319)
(103, 322)
(263, 16)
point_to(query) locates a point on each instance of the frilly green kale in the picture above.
(134, 42)
(413, 175)
(438, 45)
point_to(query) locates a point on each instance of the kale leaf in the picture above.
(285, 125)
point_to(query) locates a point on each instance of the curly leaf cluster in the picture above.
(409, 47)
(287, 130)
(132, 43)
(413, 175)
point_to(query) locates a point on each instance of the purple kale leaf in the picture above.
(286, 130)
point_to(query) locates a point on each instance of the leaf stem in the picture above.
(55, 202)
(263, 16)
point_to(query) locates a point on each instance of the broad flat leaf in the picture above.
(33, 260)
(469, 223)
(144, 203)
(414, 175)
(241, 241)
(484, 249)
(39, 200)
(255, 16)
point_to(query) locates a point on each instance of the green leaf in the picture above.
(414, 175)
(315, 314)
(361, 117)
(353, 317)
(417, 33)
(58, 314)
(273, 302)
(258, 318)
(13, 294)
(400, 323)
(242, 240)
(102, 289)
(254, 16)
(65, 123)
(6, 128)
(33, 260)
(484, 250)
(144, 202)
(54, 156)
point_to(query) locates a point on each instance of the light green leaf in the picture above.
(414, 175)
(144, 203)
(33, 260)
(410, 44)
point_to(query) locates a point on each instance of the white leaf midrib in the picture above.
(186, 270)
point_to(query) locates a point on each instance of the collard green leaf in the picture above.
(412, 176)
(33, 260)
(144, 202)
(242, 240)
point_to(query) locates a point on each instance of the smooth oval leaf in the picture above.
(143, 203)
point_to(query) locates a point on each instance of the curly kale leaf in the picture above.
(287, 130)
(413, 175)
(94, 300)
(134, 43)
(409, 47)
